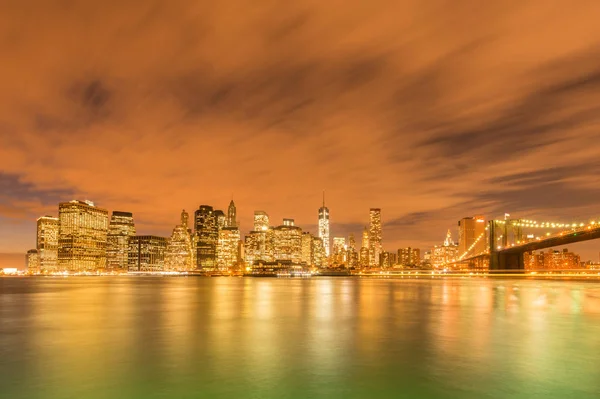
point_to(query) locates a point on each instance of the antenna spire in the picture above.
(323, 198)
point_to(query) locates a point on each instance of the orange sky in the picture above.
(429, 110)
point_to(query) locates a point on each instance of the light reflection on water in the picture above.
(172, 337)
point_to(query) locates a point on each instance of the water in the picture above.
(174, 337)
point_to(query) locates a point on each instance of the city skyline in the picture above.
(410, 114)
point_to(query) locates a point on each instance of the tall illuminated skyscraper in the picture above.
(339, 250)
(287, 243)
(374, 236)
(220, 218)
(207, 235)
(261, 221)
(120, 229)
(82, 236)
(232, 215)
(318, 252)
(47, 243)
(307, 246)
(352, 255)
(179, 254)
(32, 260)
(364, 249)
(324, 226)
(147, 253)
(228, 248)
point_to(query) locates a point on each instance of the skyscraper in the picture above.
(352, 255)
(318, 253)
(220, 218)
(443, 256)
(307, 246)
(409, 256)
(120, 229)
(254, 247)
(232, 215)
(261, 221)
(471, 235)
(179, 254)
(374, 236)
(324, 226)
(32, 260)
(339, 250)
(228, 248)
(364, 249)
(207, 234)
(47, 243)
(287, 243)
(147, 253)
(82, 236)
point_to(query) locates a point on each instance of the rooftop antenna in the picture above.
(323, 198)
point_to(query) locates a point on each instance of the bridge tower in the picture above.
(501, 259)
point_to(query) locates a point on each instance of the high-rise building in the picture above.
(232, 215)
(445, 255)
(318, 252)
(375, 238)
(120, 229)
(32, 260)
(324, 226)
(364, 249)
(254, 247)
(179, 254)
(351, 254)
(409, 256)
(261, 221)
(387, 259)
(82, 236)
(287, 243)
(339, 250)
(207, 235)
(147, 253)
(47, 243)
(220, 218)
(228, 248)
(307, 245)
(471, 235)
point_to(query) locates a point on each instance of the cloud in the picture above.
(430, 112)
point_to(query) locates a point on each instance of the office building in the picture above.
(375, 236)
(232, 215)
(207, 234)
(254, 247)
(471, 235)
(307, 248)
(220, 218)
(339, 250)
(82, 236)
(319, 257)
(228, 248)
(445, 255)
(261, 221)
(179, 254)
(409, 257)
(32, 261)
(387, 259)
(364, 249)
(47, 243)
(324, 226)
(147, 253)
(287, 243)
(120, 229)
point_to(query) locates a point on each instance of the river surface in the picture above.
(178, 337)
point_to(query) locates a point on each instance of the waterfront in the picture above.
(178, 337)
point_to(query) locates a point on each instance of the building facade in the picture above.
(375, 236)
(232, 215)
(471, 235)
(32, 261)
(120, 229)
(409, 256)
(147, 253)
(82, 236)
(47, 243)
(445, 255)
(206, 230)
(261, 221)
(287, 243)
(228, 248)
(339, 250)
(179, 254)
(364, 249)
(324, 227)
